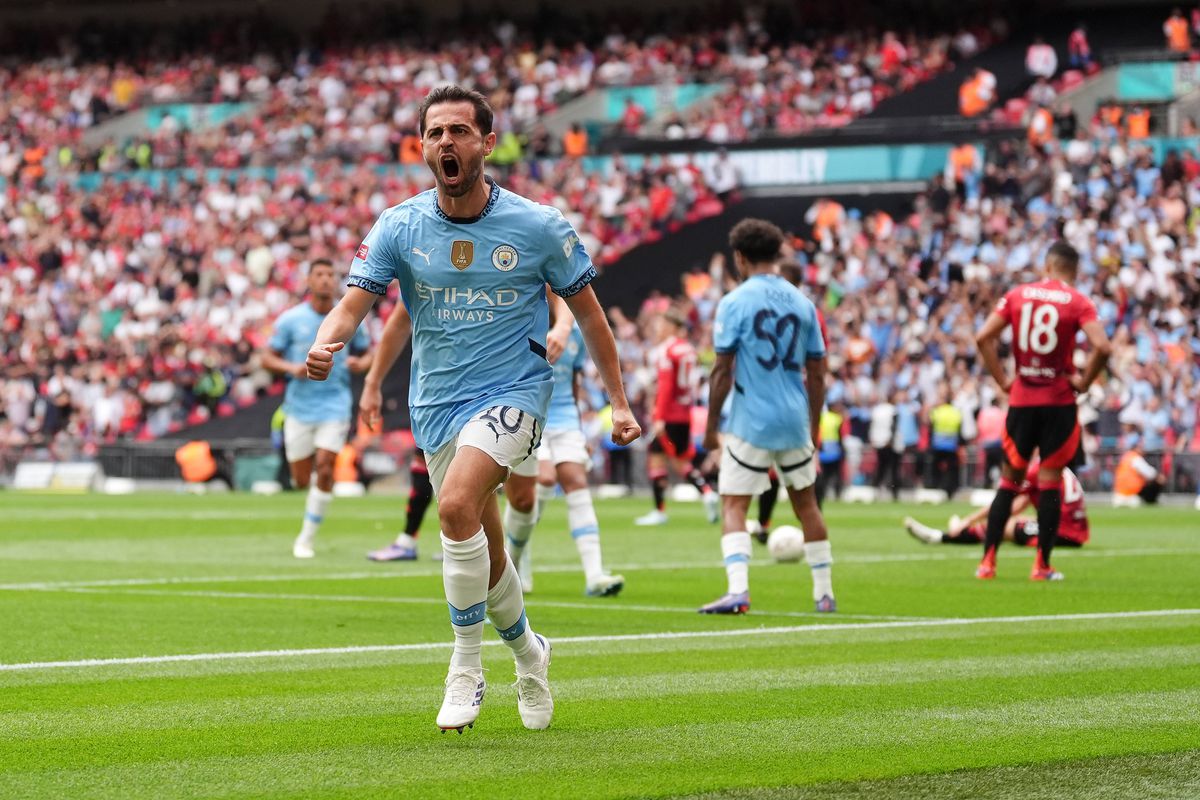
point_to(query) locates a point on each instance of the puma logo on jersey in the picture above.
(417, 252)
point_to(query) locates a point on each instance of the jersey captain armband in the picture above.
(579, 285)
(363, 282)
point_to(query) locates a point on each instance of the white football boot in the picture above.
(465, 687)
(533, 691)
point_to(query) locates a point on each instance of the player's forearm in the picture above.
(341, 323)
(1096, 363)
(814, 384)
(719, 384)
(991, 361)
(274, 362)
(600, 344)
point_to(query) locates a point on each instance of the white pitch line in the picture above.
(867, 558)
(532, 602)
(626, 637)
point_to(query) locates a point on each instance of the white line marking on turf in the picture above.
(866, 558)
(626, 637)
(532, 602)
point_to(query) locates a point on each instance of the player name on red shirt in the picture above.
(1045, 318)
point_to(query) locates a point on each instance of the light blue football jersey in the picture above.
(772, 328)
(313, 401)
(475, 289)
(564, 412)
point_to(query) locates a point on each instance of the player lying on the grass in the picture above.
(563, 459)
(1045, 317)
(1023, 530)
(767, 338)
(480, 379)
(318, 414)
(671, 445)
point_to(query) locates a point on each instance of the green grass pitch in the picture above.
(322, 678)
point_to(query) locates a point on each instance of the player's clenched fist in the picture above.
(320, 360)
(625, 427)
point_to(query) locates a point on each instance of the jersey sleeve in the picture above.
(375, 262)
(727, 327)
(281, 337)
(1005, 307)
(566, 265)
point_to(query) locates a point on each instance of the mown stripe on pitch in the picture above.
(288, 705)
(628, 637)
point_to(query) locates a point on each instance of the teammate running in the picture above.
(675, 358)
(473, 261)
(1023, 530)
(766, 336)
(317, 419)
(1045, 318)
(563, 459)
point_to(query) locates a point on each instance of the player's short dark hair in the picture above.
(320, 262)
(457, 94)
(1062, 257)
(756, 239)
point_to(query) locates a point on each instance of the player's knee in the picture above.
(522, 499)
(458, 514)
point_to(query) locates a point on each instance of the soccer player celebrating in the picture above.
(1045, 318)
(473, 260)
(317, 419)
(563, 459)
(672, 442)
(1072, 528)
(766, 336)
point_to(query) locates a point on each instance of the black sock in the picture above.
(1049, 512)
(766, 503)
(696, 478)
(659, 485)
(971, 535)
(998, 516)
(419, 498)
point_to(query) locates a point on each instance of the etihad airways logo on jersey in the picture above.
(464, 303)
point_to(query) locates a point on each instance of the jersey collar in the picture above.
(493, 196)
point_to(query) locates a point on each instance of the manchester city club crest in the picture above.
(505, 258)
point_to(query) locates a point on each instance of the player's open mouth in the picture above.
(450, 168)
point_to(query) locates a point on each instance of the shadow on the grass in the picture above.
(1159, 776)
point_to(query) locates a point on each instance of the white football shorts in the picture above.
(564, 445)
(508, 435)
(302, 439)
(745, 468)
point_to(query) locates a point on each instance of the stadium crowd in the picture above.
(903, 298)
(354, 99)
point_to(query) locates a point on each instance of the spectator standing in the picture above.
(1040, 59)
(884, 437)
(945, 424)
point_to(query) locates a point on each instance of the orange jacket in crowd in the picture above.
(1179, 38)
(1127, 481)
(196, 462)
(1041, 128)
(1139, 123)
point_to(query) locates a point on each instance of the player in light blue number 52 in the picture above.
(771, 354)
(473, 261)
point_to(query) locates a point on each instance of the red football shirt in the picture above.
(676, 360)
(1073, 524)
(1045, 317)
